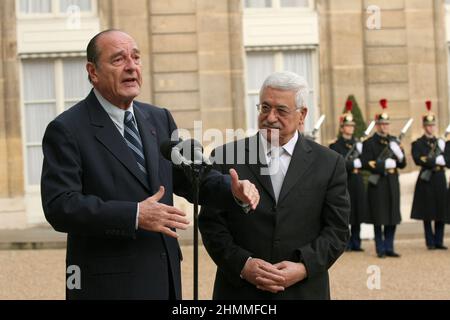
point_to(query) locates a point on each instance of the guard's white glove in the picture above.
(390, 164)
(357, 164)
(440, 161)
(441, 144)
(359, 147)
(396, 150)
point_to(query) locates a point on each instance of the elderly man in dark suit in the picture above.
(284, 249)
(105, 183)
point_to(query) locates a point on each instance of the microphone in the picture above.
(184, 152)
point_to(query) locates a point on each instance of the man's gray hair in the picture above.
(288, 81)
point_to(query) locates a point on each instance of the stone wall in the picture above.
(193, 56)
(405, 61)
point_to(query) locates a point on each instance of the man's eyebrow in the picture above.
(114, 55)
(277, 106)
(122, 52)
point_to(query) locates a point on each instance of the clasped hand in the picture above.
(273, 277)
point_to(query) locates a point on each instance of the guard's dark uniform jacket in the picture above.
(430, 197)
(383, 198)
(355, 182)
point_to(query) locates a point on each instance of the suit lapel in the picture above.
(259, 165)
(147, 132)
(110, 137)
(301, 160)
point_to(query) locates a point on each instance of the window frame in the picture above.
(59, 100)
(55, 12)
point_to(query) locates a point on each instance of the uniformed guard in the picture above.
(430, 195)
(383, 156)
(351, 148)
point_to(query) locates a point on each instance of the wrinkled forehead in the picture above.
(116, 41)
(270, 93)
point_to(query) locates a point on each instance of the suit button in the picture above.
(274, 208)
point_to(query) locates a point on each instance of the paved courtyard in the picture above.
(418, 274)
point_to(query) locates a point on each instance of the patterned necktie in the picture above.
(134, 141)
(276, 170)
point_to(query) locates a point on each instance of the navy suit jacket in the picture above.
(90, 188)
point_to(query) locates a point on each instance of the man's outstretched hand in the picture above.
(159, 217)
(244, 190)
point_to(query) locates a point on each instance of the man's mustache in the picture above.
(271, 126)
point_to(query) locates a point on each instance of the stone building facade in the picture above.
(203, 59)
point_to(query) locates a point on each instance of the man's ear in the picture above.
(92, 72)
(303, 113)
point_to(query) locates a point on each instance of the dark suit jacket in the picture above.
(90, 188)
(309, 223)
(383, 198)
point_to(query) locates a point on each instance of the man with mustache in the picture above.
(105, 183)
(300, 227)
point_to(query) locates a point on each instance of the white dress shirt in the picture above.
(278, 160)
(286, 156)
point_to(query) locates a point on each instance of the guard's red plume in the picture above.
(383, 103)
(428, 103)
(349, 105)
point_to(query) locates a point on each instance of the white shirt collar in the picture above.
(288, 147)
(116, 114)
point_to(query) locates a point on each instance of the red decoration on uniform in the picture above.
(428, 103)
(383, 103)
(349, 106)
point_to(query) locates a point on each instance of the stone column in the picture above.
(12, 206)
(237, 58)
(11, 162)
(342, 65)
(441, 65)
(214, 44)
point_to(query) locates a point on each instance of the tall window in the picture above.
(278, 3)
(49, 88)
(36, 7)
(84, 5)
(260, 64)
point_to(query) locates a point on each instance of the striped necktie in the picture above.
(134, 141)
